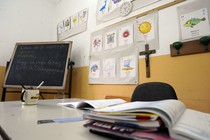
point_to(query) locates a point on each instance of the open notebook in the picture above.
(94, 104)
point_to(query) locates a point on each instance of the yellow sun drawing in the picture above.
(74, 20)
(145, 27)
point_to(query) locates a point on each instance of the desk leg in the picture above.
(41, 96)
(70, 76)
(3, 94)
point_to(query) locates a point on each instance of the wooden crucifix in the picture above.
(147, 53)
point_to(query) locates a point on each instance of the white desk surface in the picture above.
(20, 121)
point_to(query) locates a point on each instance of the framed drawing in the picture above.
(96, 43)
(109, 68)
(125, 35)
(194, 20)
(146, 31)
(94, 71)
(110, 39)
(128, 66)
(72, 25)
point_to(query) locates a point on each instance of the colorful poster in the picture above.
(103, 7)
(128, 66)
(94, 69)
(109, 9)
(83, 16)
(146, 29)
(96, 44)
(110, 40)
(126, 35)
(194, 24)
(109, 68)
(74, 20)
(60, 27)
(67, 24)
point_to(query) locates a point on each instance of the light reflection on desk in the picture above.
(20, 121)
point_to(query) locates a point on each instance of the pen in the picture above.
(40, 85)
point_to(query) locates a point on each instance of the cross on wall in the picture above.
(147, 53)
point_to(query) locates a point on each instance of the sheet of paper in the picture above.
(60, 27)
(110, 39)
(146, 29)
(128, 66)
(109, 68)
(172, 108)
(193, 124)
(83, 16)
(126, 35)
(96, 44)
(69, 104)
(105, 103)
(95, 69)
(195, 24)
(74, 20)
(67, 24)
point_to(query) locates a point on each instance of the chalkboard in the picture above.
(32, 63)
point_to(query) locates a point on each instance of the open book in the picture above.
(182, 123)
(96, 104)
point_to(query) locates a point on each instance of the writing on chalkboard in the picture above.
(32, 63)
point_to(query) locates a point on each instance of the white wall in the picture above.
(36, 20)
(24, 21)
(168, 27)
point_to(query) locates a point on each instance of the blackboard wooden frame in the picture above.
(38, 53)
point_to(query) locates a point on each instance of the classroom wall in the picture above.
(81, 42)
(183, 73)
(189, 75)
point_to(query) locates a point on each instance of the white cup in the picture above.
(30, 96)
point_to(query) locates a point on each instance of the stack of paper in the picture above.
(166, 119)
(120, 121)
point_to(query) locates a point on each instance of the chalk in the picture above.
(40, 85)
